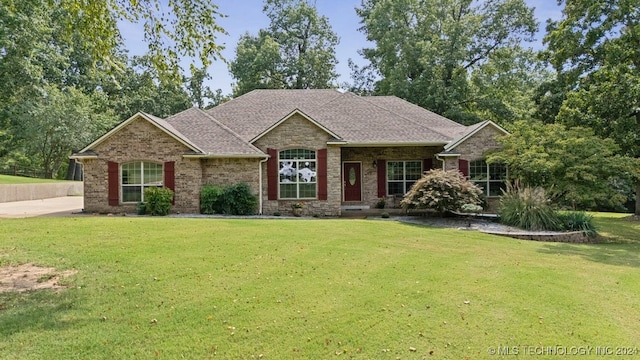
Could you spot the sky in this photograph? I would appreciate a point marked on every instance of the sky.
(246, 16)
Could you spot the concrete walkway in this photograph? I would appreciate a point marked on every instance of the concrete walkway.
(59, 206)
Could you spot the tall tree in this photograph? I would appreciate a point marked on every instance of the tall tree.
(595, 49)
(296, 51)
(427, 51)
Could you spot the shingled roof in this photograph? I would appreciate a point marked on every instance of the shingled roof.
(355, 119)
(229, 129)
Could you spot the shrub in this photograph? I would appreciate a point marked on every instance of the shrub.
(381, 203)
(210, 198)
(441, 191)
(238, 200)
(232, 200)
(157, 201)
(528, 208)
(578, 221)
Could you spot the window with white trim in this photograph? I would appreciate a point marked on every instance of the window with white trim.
(137, 176)
(491, 178)
(401, 175)
(297, 174)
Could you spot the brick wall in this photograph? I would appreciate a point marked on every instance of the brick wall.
(141, 141)
(225, 172)
(298, 132)
(370, 173)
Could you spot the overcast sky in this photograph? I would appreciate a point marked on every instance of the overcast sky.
(246, 16)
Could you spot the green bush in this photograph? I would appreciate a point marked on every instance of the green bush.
(157, 201)
(441, 191)
(232, 200)
(578, 221)
(238, 200)
(528, 208)
(210, 199)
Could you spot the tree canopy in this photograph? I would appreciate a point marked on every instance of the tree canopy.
(443, 55)
(296, 51)
(595, 50)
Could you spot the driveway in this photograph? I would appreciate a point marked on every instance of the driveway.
(60, 206)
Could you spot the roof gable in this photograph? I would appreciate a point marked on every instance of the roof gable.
(472, 130)
(157, 122)
(290, 115)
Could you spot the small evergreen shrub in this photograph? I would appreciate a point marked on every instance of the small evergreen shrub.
(381, 203)
(528, 208)
(578, 221)
(209, 199)
(232, 200)
(442, 191)
(238, 200)
(157, 201)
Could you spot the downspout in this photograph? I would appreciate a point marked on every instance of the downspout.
(260, 185)
(442, 161)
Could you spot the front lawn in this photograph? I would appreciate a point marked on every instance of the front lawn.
(313, 289)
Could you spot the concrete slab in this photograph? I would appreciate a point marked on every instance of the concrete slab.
(59, 206)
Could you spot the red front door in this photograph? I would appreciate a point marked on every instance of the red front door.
(352, 181)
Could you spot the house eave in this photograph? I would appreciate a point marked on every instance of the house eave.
(385, 144)
(225, 156)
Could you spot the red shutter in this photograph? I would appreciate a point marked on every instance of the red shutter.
(272, 174)
(170, 178)
(114, 183)
(463, 167)
(427, 164)
(381, 165)
(322, 174)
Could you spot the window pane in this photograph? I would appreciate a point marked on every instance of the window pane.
(409, 184)
(395, 188)
(131, 193)
(413, 170)
(478, 170)
(131, 173)
(498, 172)
(288, 191)
(395, 170)
(307, 190)
(288, 171)
(153, 173)
(496, 187)
(296, 154)
(307, 172)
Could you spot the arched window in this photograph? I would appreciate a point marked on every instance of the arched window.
(297, 174)
(137, 176)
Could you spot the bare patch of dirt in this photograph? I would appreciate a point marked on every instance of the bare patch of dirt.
(27, 277)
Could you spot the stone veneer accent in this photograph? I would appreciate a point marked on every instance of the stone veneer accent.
(300, 133)
(370, 173)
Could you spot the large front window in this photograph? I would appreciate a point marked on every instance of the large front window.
(297, 174)
(137, 176)
(401, 175)
(491, 178)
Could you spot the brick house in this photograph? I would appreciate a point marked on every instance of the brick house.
(328, 149)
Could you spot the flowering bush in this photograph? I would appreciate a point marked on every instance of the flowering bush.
(442, 191)
(298, 205)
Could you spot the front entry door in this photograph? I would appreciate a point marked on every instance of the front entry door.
(352, 180)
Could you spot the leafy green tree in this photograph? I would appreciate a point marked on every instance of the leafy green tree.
(296, 51)
(60, 121)
(576, 167)
(595, 49)
(443, 54)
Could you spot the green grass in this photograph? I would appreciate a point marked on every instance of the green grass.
(312, 289)
(8, 179)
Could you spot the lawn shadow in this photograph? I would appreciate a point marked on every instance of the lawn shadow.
(610, 254)
(35, 310)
